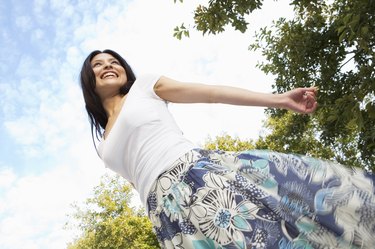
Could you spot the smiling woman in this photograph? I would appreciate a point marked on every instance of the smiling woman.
(97, 115)
(108, 72)
(199, 198)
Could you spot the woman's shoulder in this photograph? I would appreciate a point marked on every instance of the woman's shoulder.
(146, 83)
(147, 80)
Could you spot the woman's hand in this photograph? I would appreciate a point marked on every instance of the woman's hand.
(301, 100)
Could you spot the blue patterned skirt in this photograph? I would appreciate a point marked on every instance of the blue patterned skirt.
(262, 199)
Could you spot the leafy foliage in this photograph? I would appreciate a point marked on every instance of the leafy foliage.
(213, 18)
(329, 44)
(107, 221)
(181, 31)
(295, 133)
(227, 143)
(278, 139)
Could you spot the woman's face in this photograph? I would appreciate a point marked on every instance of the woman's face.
(109, 74)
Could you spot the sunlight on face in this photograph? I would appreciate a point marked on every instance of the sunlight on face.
(109, 74)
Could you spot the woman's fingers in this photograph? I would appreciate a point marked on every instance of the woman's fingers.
(311, 103)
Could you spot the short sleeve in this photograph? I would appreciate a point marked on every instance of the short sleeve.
(147, 82)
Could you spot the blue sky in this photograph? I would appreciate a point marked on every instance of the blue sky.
(47, 161)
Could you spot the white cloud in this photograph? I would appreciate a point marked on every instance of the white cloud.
(37, 35)
(25, 66)
(39, 5)
(7, 177)
(59, 5)
(35, 206)
(24, 23)
(8, 93)
(50, 126)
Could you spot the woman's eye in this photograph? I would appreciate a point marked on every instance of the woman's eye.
(115, 62)
(96, 64)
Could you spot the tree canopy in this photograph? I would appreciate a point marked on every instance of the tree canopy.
(107, 221)
(329, 44)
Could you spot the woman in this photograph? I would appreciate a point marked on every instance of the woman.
(197, 198)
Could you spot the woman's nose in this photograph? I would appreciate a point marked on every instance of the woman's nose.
(107, 65)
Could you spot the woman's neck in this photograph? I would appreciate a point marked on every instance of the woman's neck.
(113, 104)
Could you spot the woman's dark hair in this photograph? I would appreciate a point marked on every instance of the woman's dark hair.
(95, 110)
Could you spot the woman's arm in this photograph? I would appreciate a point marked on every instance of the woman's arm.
(300, 100)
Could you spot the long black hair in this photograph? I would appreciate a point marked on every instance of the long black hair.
(97, 116)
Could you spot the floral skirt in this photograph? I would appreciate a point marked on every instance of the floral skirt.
(262, 199)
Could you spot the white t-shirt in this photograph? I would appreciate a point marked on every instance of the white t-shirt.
(145, 139)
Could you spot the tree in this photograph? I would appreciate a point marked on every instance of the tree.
(300, 142)
(107, 221)
(330, 44)
(227, 143)
(213, 19)
(299, 138)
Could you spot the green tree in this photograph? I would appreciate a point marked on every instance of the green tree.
(329, 44)
(300, 142)
(291, 133)
(213, 19)
(228, 143)
(107, 221)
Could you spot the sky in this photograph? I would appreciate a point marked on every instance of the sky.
(47, 159)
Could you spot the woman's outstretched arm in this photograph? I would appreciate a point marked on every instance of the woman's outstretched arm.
(301, 100)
